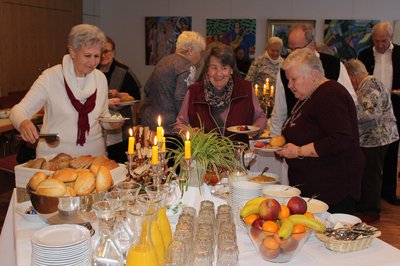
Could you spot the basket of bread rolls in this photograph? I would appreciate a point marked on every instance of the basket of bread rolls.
(66, 195)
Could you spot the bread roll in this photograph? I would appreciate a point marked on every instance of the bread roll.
(70, 192)
(36, 163)
(51, 188)
(85, 183)
(103, 179)
(65, 175)
(110, 164)
(36, 179)
(277, 141)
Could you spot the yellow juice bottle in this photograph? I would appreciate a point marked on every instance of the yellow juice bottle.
(158, 243)
(164, 226)
(142, 254)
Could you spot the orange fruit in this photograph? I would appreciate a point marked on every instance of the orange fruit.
(278, 239)
(251, 218)
(309, 214)
(298, 231)
(270, 242)
(284, 212)
(270, 226)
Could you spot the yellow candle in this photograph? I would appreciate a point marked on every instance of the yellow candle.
(131, 142)
(159, 129)
(265, 89)
(267, 83)
(164, 146)
(256, 90)
(188, 152)
(272, 91)
(154, 152)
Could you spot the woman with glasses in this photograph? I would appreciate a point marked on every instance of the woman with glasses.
(322, 150)
(123, 85)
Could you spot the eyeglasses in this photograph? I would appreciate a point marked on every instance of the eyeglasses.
(106, 51)
(294, 49)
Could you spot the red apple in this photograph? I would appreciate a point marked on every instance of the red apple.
(269, 253)
(256, 230)
(290, 245)
(269, 209)
(297, 205)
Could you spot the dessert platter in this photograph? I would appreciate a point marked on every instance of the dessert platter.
(243, 129)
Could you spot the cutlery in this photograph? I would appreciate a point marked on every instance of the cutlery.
(50, 138)
(313, 196)
(298, 185)
(264, 170)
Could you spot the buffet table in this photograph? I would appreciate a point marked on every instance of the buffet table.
(15, 244)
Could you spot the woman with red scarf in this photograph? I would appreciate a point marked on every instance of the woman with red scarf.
(74, 95)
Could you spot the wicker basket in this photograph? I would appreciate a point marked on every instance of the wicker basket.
(344, 246)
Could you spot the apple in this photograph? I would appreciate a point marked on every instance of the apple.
(290, 245)
(297, 205)
(269, 209)
(269, 253)
(256, 230)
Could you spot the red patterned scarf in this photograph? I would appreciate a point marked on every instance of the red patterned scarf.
(83, 110)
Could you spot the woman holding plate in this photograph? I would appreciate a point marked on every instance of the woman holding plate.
(221, 99)
(323, 149)
(74, 95)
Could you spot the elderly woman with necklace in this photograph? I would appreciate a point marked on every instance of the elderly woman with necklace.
(322, 150)
(220, 99)
(74, 95)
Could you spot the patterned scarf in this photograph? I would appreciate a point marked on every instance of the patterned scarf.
(217, 100)
(83, 110)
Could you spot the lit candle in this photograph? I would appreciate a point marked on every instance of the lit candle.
(163, 146)
(131, 142)
(188, 152)
(159, 129)
(272, 91)
(267, 83)
(154, 152)
(265, 89)
(256, 89)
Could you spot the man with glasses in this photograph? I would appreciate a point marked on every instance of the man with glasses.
(382, 60)
(301, 35)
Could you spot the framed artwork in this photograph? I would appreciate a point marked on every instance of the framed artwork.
(396, 32)
(280, 28)
(348, 37)
(234, 32)
(161, 35)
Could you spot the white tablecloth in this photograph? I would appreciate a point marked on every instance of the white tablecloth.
(17, 233)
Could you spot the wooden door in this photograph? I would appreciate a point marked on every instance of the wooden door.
(33, 37)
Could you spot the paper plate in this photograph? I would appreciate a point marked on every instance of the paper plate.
(112, 120)
(236, 129)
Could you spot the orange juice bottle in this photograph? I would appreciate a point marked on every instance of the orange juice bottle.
(157, 239)
(142, 254)
(164, 226)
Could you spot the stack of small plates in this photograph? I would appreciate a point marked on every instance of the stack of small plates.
(241, 191)
(64, 244)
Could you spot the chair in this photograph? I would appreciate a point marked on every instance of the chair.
(8, 163)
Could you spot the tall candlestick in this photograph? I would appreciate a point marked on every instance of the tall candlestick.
(265, 89)
(256, 89)
(159, 130)
(188, 152)
(272, 91)
(131, 142)
(164, 146)
(154, 152)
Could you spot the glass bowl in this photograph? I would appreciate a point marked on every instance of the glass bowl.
(271, 248)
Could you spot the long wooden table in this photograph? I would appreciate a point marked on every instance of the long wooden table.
(6, 125)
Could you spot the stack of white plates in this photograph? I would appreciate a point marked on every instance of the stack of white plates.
(63, 244)
(241, 191)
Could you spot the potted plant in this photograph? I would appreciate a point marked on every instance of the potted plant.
(210, 152)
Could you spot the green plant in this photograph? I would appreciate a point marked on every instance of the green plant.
(210, 151)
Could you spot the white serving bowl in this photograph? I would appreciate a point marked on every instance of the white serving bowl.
(282, 193)
(273, 175)
(316, 207)
(30, 217)
(343, 218)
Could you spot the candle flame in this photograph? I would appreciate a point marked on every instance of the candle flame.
(155, 140)
(130, 132)
(187, 135)
(256, 86)
(159, 120)
(267, 80)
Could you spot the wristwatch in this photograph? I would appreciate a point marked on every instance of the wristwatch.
(299, 154)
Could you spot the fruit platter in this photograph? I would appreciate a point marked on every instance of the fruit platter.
(277, 231)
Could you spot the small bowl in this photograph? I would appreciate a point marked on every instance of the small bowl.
(281, 193)
(27, 212)
(267, 174)
(316, 207)
(343, 218)
(286, 250)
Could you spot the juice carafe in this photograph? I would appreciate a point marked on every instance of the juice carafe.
(162, 219)
(141, 215)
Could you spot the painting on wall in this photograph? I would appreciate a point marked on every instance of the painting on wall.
(234, 32)
(161, 35)
(347, 38)
(280, 28)
(396, 32)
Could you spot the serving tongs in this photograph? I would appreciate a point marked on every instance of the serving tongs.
(50, 137)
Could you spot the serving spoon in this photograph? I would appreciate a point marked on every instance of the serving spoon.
(264, 170)
(50, 138)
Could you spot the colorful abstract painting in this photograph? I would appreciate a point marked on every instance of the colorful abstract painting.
(348, 37)
(161, 35)
(233, 32)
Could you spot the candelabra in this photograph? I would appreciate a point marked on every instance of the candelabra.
(185, 174)
(129, 177)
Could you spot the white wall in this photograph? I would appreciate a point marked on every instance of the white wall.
(123, 20)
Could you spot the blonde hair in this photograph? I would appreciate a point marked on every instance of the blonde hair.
(85, 34)
(274, 40)
(304, 57)
(190, 39)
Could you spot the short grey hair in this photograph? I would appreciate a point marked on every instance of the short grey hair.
(304, 57)
(85, 34)
(273, 41)
(385, 26)
(307, 28)
(355, 67)
(188, 39)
